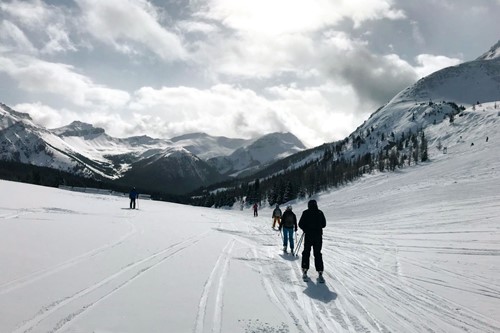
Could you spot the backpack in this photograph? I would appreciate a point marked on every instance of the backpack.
(288, 220)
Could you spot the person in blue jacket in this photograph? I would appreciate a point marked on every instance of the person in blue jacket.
(133, 195)
(289, 225)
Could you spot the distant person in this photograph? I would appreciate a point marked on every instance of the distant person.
(133, 195)
(312, 223)
(276, 216)
(255, 209)
(289, 225)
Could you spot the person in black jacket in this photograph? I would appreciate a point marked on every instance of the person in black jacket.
(289, 224)
(133, 195)
(312, 223)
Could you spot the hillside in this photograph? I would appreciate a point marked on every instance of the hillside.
(399, 134)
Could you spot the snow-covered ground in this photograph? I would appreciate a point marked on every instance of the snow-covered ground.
(417, 250)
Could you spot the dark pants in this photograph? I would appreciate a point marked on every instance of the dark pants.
(132, 203)
(316, 242)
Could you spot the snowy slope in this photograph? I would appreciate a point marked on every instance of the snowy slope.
(467, 83)
(424, 106)
(412, 251)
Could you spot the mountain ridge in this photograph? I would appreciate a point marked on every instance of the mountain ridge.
(87, 150)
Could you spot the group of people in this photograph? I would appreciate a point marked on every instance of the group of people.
(312, 223)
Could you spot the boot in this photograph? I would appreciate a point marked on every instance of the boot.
(321, 279)
(304, 274)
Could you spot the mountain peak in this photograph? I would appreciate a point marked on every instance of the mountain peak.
(12, 112)
(493, 53)
(78, 128)
(190, 136)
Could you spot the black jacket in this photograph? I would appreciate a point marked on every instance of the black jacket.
(312, 221)
(289, 220)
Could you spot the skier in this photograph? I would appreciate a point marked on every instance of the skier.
(276, 216)
(255, 207)
(133, 195)
(289, 225)
(312, 223)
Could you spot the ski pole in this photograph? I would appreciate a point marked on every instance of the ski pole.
(299, 243)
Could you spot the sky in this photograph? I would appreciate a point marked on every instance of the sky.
(239, 69)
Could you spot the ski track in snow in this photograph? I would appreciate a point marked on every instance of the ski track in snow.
(220, 269)
(359, 284)
(103, 289)
(25, 280)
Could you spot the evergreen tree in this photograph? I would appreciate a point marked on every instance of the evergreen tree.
(423, 148)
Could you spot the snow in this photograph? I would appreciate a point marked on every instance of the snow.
(411, 251)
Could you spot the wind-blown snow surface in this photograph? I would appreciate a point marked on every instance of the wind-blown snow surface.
(412, 251)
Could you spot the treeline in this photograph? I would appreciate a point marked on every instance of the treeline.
(332, 169)
(44, 176)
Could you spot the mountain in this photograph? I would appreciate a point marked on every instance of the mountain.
(418, 125)
(176, 166)
(258, 154)
(466, 83)
(205, 146)
(493, 53)
(173, 170)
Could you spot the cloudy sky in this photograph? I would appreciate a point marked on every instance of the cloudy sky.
(316, 68)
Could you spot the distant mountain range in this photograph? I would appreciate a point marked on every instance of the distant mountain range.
(177, 166)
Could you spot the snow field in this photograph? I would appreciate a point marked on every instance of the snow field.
(416, 250)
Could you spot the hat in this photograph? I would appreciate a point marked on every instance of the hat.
(312, 204)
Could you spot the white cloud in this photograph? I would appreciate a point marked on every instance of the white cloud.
(13, 39)
(279, 17)
(44, 115)
(428, 63)
(59, 40)
(197, 26)
(34, 13)
(34, 75)
(313, 114)
(123, 22)
(45, 25)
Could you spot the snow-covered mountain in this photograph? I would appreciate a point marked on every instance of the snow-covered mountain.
(176, 166)
(434, 99)
(494, 52)
(429, 105)
(206, 146)
(466, 83)
(258, 154)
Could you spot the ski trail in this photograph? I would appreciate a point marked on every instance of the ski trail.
(202, 307)
(35, 276)
(113, 283)
(402, 299)
(319, 311)
(17, 214)
(271, 290)
(219, 303)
